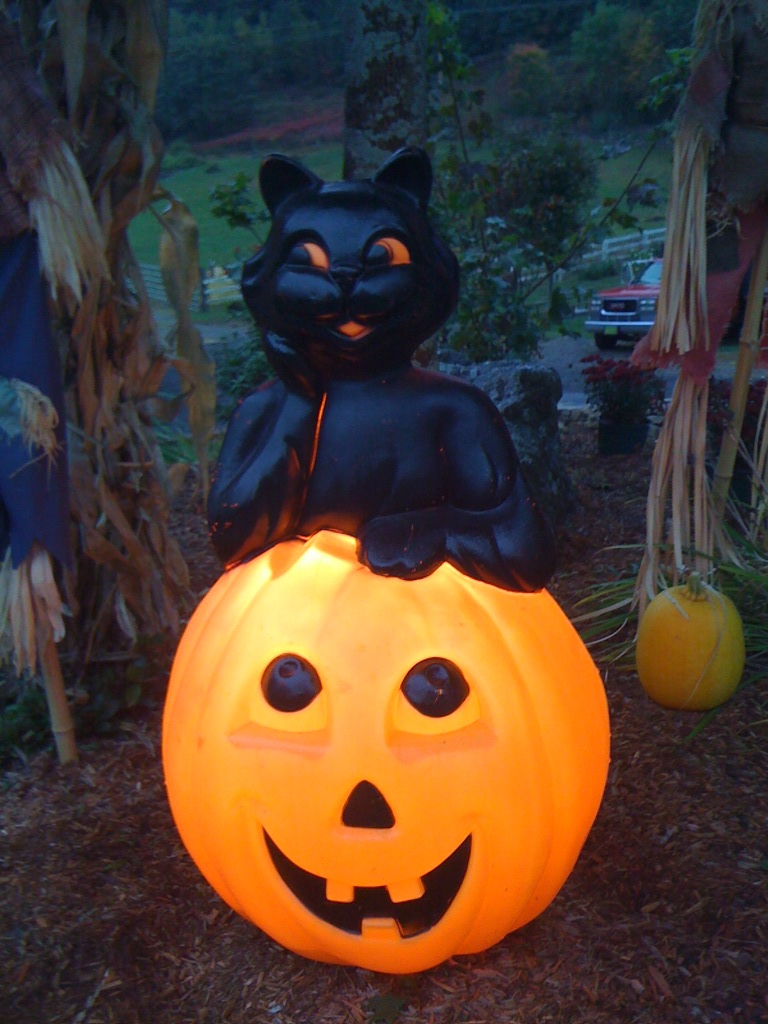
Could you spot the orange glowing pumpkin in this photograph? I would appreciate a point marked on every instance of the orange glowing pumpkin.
(381, 772)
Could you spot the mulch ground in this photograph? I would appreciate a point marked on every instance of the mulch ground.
(103, 917)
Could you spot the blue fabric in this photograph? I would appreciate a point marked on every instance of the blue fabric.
(34, 492)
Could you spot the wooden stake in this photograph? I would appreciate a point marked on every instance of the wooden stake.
(61, 718)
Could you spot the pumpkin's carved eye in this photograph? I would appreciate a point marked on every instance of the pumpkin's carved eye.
(435, 687)
(387, 252)
(290, 683)
(308, 254)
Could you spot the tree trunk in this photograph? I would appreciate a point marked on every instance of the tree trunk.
(386, 93)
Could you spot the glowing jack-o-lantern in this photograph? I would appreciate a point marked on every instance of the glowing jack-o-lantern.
(376, 771)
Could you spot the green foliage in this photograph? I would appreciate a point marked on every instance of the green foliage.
(541, 185)
(598, 270)
(619, 46)
(222, 62)
(103, 700)
(240, 368)
(197, 105)
(665, 90)
(179, 156)
(484, 27)
(531, 82)
(620, 392)
(110, 692)
(24, 723)
(235, 203)
(506, 207)
(227, 61)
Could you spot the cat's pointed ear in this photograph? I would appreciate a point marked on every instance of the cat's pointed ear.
(281, 177)
(408, 169)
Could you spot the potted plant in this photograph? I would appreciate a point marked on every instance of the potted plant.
(624, 397)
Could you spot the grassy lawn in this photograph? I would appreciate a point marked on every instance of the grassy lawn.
(220, 244)
(193, 185)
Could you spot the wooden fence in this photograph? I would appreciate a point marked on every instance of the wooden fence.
(217, 289)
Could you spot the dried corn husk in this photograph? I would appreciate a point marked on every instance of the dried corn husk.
(70, 241)
(30, 603)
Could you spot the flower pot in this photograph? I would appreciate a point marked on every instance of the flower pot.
(621, 438)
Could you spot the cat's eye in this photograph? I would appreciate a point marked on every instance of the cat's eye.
(388, 252)
(308, 254)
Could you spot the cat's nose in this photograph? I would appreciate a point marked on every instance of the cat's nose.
(345, 275)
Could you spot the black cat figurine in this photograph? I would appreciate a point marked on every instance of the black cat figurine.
(352, 437)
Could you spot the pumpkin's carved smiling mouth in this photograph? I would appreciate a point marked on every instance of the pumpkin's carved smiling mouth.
(372, 908)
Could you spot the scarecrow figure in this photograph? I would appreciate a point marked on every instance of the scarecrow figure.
(49, 243)
(719, 203)
(716, 221)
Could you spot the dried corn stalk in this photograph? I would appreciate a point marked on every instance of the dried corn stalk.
(101, 64)
(180, 267)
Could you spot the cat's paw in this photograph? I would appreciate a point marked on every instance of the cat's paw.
(402, 546)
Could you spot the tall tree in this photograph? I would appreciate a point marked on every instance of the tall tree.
(386, 93)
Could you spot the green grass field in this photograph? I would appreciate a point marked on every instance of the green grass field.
(220, 244)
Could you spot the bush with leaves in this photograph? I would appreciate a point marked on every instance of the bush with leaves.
(508, 209)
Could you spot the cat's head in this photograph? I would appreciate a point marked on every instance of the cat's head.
(352, 275)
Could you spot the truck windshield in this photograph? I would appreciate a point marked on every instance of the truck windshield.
(650, 275)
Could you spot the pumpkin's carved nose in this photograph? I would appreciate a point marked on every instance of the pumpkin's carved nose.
(366, 807)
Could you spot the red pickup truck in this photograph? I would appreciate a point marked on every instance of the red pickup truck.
(625, 313)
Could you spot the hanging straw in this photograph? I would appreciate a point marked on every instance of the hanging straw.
(681, 317)
(749, 343)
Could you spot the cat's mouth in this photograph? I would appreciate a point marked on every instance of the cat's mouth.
(353, 330)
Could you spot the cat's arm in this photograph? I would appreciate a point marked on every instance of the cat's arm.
(489, 526)
(495, 530)
(260, 478)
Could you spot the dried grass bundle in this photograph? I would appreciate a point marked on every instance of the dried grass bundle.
(679, 515)
(681, 317)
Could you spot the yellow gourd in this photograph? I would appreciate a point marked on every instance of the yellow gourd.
(377, 771)
(690, 647)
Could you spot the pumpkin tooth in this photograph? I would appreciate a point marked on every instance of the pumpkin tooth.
(401, 892)
(339, 892)
(380, 928)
